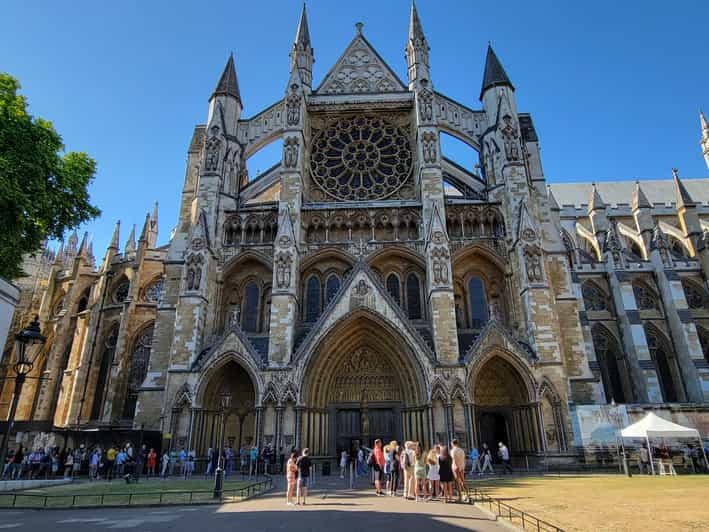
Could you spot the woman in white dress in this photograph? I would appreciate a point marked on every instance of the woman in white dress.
(433, 473)
(343, 463)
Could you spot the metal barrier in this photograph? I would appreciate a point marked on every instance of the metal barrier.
(517, 517)
(146, 498)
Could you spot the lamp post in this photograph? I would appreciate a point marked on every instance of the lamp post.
(225, 399)
(616, 419)
(26, 343)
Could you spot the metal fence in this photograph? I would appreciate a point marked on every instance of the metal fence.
(520, 518)
(143, 498)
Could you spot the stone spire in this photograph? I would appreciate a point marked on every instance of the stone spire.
(682, 197)
(130, 243)
(146, 229)
(227, 84)
(59, 257)
(153, 231)
(416, 49)
(116, 234)
(640, 200)
(84, 246)
(595, 202)
(301, 55)
(495, 75)
(705, 137)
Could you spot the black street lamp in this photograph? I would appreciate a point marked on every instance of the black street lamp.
(225, 399)
(27, 342)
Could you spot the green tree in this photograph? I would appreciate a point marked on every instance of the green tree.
(43, 191)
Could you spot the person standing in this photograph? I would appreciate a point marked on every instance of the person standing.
(343, 463)
(304, 465)
(55, 462)
(377, 458)
(361, 467)
(165, 463)
(475, 461)
(433, 474)
(152, 458)
(253, 461)
(243, 459)
(181, 461)
(407, 466)
(458, 456)
(419, 474)
(291, 476)
(395, 468)
(120, 463)
(445, 463)
(68, 464)
(504, 453)
(487, 460)
(110, 461)
(94, 459)
(644, 462)
(140, 458)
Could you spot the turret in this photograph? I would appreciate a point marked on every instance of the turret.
(417, 51)
(705, 137)
(301, 55)
(226, 98)
(495, 77)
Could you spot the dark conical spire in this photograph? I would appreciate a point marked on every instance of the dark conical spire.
(495, 75)
(228, 85)
(682, 197)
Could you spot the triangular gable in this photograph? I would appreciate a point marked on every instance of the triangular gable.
(363, 291)
(526, 230)
(493, 335)
(436, 229)
(360, 69)
(233, 339)
(285, 236)
(200, 233)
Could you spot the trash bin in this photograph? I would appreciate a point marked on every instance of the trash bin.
(326, 469)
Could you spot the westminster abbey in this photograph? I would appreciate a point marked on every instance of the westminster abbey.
(368, 286)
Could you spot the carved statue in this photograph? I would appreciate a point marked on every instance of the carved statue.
(293, 109)
(283, 270)
(440, 265)
(211, 158)
(510, 136)
(234, 314)
(533, 263)
(429, 147)
(290, 152)
(426, 106)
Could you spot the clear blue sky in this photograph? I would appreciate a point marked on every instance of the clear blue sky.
(614, 87)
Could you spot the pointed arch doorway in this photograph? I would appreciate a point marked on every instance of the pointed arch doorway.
(506, 409)
(362, 383)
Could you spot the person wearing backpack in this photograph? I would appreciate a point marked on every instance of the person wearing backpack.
(395, 467)
(407, 467)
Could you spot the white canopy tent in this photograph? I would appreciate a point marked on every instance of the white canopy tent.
(653, 426)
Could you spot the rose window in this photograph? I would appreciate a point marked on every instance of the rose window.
(361, 158)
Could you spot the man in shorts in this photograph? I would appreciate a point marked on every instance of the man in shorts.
(303, 465)
(458, 456)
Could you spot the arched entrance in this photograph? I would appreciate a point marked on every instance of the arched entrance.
(362, 382)
(240, 420)
(505, 407)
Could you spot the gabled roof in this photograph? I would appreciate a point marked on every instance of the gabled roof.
(360, 69)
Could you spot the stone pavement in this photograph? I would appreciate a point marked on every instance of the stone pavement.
(331, 507)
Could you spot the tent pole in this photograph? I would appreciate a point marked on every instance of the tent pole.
(649, 451)
(701, 445)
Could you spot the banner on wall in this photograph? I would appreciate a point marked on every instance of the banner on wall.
(598, 425)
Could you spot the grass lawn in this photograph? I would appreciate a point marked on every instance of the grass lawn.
(609, 502)
(120, 493)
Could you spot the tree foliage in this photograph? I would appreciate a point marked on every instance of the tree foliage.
(43, 191)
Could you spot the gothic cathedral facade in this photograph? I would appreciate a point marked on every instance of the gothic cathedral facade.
(367, 286)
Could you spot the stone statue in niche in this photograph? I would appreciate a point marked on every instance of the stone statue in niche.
(533, 263)
(362, 288)
(283, 270)
(211, 158)
(194, 272)
(440, 265)
(429, 147)
(293, 109)
(426, 106)
(509, 135)
(234, 314)
(290, 152)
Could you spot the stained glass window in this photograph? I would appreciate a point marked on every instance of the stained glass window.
(693, 294)
(608, 355)
(394, 287)
(139, 361)
(249, 309)
(312, 299)
(593, 297)
(120, 294)
(413, 296)
(153, 291)
(331, 287)
(478, 305)
(644, 297)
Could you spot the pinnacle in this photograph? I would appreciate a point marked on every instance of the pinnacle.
(415, 28)
(302, 35)
(495, 75)
(596, 202)
(640, 200)
(703, 123)
(227, 84)
(553, 204)
(682, 197)
(114, 238)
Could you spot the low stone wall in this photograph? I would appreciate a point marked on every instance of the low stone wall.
(13, 485)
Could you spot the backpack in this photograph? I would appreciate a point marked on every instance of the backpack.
(407, 459)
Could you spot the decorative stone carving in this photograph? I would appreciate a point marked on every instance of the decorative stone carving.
(194, 271)
(362, 288)
(440, 265)
(365, 376)
(429, 147)
(660, 243)
(529, 235)
(533, 263)
(425, 99)
(361, 157)
(613, 245)
(211, 157)
(293, 109)
(510, 138)
(290, 152)
(283, 269)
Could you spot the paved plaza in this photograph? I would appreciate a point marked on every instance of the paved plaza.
(331, 507)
